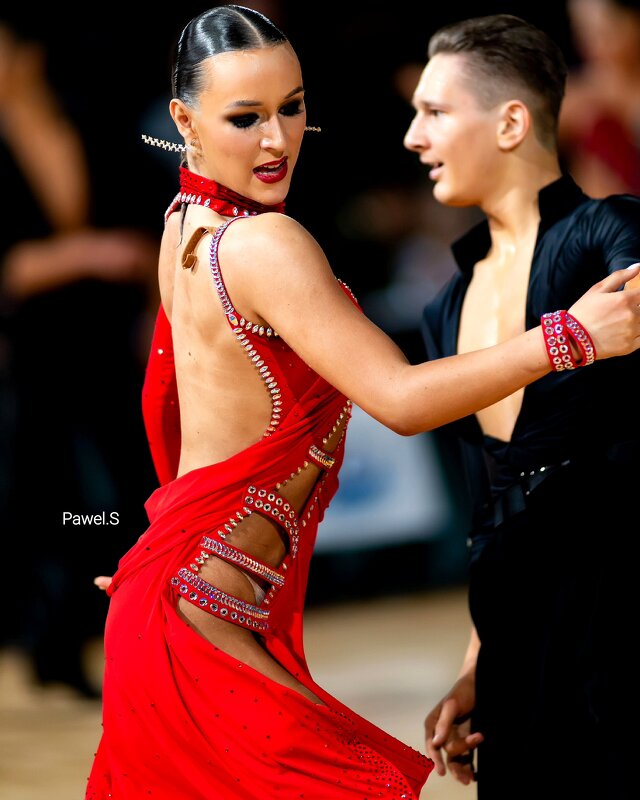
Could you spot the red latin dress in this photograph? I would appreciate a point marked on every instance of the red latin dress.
(182, 719)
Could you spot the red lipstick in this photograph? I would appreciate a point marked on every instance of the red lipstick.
(272, 171)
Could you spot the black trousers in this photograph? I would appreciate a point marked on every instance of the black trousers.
(553, 597)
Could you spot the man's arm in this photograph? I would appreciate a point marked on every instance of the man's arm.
(447, 725)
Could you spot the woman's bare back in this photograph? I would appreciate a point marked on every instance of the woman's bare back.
(224, 409)
(223, 405)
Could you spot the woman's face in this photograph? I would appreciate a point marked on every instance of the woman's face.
(249, 122)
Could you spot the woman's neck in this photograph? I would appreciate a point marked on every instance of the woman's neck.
(197, 190)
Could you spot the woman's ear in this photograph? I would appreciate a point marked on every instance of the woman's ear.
(182, 115)
(514, 124)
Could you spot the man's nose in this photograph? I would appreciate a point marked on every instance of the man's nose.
(414, 138)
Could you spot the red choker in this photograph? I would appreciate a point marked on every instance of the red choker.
(208, 193)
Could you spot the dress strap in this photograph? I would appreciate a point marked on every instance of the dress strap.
(242, 327)
(227, 305)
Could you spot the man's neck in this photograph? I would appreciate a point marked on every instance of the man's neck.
(513, 210)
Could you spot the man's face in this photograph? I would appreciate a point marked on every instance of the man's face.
(453, 133)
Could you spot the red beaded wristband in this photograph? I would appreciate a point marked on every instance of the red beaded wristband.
(556, 340)
(582, 340)
(559, 329)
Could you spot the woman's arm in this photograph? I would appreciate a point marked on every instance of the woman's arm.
(276, 271)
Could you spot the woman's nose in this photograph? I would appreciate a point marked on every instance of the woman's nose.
(273, 136)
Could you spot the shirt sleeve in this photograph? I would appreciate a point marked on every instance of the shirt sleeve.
(619, 228)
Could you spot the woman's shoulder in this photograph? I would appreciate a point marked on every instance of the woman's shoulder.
(171, 232)
(268, 226)
(270, 238)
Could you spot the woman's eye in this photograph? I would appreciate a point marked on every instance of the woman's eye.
(244, 121)
(293, 108)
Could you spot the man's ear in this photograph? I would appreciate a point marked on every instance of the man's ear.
(182, 115)
(514, 124)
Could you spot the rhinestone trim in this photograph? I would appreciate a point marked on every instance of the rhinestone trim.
(243, 560)
(241, 611)
(320, 457)
(241, 329)
(227, 305)
(270, 383)
(272, 505)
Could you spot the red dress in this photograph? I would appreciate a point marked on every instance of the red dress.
(182, 719)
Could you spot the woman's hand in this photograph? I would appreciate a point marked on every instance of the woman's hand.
(611, 318)
(102, 582)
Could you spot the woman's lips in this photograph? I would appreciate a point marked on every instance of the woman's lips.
(272, 171)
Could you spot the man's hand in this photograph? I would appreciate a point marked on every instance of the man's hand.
(448, 728)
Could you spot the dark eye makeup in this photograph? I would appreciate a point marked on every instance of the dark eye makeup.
(244, 120)
(292, 108)
(287, 110)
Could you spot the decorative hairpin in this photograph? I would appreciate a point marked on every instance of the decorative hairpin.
(173, 147)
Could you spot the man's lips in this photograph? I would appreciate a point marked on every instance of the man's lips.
(436, 169)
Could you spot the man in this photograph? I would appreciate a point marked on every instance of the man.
(548, 680)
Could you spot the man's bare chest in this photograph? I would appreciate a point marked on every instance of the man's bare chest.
(494, 305)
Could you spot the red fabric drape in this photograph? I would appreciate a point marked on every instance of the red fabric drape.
(184, 720)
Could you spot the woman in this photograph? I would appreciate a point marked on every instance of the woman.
(207, 692)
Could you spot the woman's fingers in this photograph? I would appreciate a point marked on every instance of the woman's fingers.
(633, 283)
(618, 278)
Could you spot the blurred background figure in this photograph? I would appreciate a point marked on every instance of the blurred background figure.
(72, 343)
(600, 122)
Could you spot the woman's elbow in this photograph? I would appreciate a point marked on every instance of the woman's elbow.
(405, 424)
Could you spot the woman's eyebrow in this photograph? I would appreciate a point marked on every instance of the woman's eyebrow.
(245, 103)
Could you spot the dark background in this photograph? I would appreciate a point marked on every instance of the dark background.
(110, 66)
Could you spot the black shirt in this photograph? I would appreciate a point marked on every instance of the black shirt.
(566, 415)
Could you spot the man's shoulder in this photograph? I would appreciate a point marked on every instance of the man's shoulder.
(620, 205)
(614, 205)
(597, 217)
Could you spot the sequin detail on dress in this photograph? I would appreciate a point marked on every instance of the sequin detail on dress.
(210, 598)
(244, 330)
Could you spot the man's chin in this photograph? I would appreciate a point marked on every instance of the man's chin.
(448, 198)
(442, 195)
